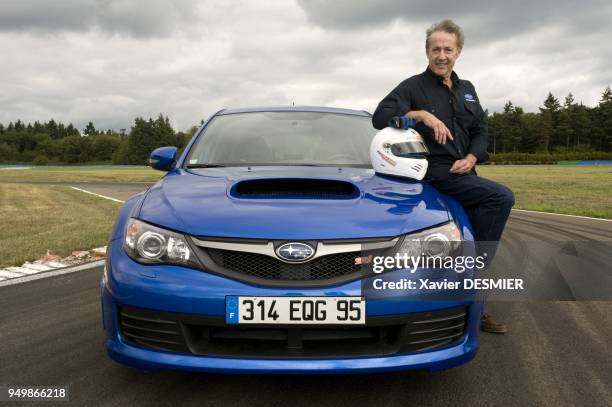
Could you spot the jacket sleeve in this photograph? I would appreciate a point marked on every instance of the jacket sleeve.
(479, 137)
(396, 103)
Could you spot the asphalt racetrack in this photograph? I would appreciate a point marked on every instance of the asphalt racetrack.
(556, 353)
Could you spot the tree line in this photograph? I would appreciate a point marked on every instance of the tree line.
(557, 127)
(56, 143)
(567, 129)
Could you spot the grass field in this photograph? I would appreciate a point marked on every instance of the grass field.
(81, 174)
(37, 218)
(578, 190)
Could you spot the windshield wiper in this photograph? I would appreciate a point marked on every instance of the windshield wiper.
(205, 166)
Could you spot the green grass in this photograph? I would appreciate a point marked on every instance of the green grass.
(576, 190)
(81, 174)
(37, 218)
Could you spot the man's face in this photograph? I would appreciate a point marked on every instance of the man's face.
(442, 53)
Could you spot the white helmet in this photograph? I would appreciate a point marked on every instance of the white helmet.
(399, 152)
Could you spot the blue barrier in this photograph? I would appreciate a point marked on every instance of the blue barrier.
(595, 162)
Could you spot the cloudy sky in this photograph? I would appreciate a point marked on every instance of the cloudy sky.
(109, 61)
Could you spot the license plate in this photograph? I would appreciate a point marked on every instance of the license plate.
(295, 310)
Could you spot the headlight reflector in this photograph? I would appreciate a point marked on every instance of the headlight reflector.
(150, 244)
(440, 241)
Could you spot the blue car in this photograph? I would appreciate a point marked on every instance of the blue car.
(255, 253)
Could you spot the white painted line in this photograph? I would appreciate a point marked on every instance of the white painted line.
(16, 269)
(10, 273)
(24, 270)
(98, 195)
(53, 273)
(36, 267)
(563, 214)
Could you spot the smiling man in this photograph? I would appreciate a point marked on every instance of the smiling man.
(445, 110)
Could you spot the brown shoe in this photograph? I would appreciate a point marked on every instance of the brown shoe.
(488, 324)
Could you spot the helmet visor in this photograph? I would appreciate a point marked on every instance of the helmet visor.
(409, 149)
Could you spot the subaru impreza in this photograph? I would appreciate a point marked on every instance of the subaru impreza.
(254, 253)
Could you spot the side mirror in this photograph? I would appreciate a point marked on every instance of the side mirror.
(163, 158)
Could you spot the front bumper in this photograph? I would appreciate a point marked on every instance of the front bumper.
(186, 293)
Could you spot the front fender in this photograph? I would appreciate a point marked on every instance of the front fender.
(129, 209)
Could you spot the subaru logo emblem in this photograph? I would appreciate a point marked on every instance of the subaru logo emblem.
(295, 252)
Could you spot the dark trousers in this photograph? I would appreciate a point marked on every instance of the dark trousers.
(486, 203)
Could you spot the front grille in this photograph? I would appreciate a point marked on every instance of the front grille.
(210, 336)
(267, 267)
(255, 260)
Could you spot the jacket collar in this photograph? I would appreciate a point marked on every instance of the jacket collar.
(454, 78)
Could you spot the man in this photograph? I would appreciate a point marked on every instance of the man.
(445, 110)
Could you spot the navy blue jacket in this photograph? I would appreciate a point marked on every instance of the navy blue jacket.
(458, 109)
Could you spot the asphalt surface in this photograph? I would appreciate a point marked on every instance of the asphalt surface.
(556, 353)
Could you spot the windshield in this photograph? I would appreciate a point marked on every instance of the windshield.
(284, 138)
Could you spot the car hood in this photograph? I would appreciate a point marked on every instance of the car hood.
(200, 202)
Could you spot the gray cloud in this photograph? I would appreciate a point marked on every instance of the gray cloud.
(112, 61)
(484, 20)
(150, 18)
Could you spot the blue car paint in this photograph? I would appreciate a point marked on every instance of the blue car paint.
(188, 201)
(128, 210)
(386, 207)
(163, 158)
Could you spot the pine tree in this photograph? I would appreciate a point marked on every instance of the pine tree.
(72, 131)
(90, 130)
(604, 110)
(550, 113)
(52, 129)
(19, 126)
(565, 130)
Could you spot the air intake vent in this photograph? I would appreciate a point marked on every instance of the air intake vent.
(191, 334)
(288, 188)
(151, 331)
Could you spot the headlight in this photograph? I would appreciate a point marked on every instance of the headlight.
(440, 241)
(149, 244)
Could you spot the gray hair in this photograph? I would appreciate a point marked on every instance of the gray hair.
(448, 26)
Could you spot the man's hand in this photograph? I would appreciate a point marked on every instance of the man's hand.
(401, 122)
(465, 165)
(441, 132)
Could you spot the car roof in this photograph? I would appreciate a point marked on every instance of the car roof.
(320, 109)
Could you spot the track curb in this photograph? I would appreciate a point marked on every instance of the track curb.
(52, 273)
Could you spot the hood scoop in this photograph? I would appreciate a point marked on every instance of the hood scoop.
(294, 188)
